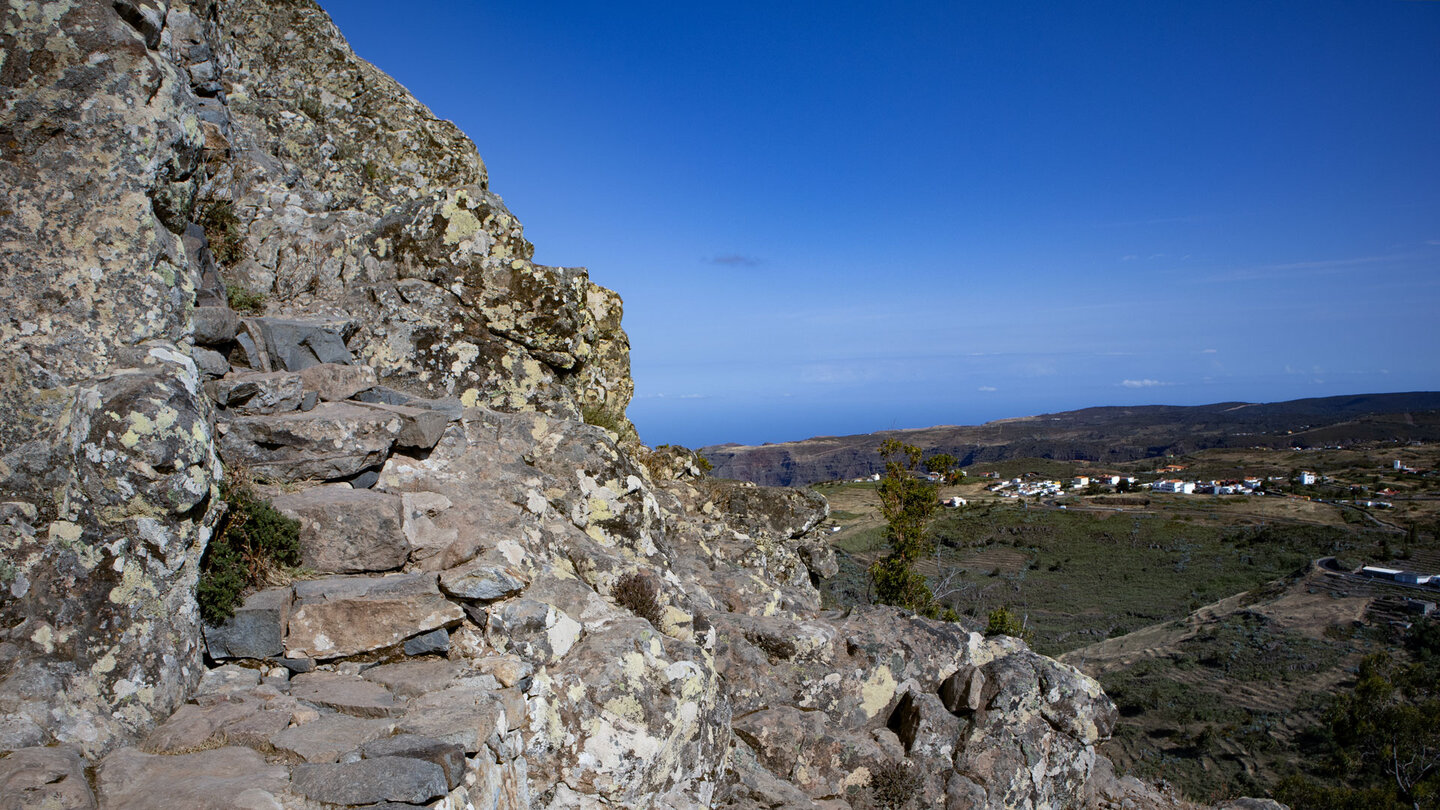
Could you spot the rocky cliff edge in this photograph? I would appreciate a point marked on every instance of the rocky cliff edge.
(446, 420)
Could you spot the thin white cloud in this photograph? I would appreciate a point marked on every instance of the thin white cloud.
(1209, 351)
(1146, 383)
(987, 388)
(736, 260)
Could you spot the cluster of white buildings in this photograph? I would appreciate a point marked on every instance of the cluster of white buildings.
(1020, 488)
(1245, 486)
(1083, 481)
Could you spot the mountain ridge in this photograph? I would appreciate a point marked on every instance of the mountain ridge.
(1102, 434)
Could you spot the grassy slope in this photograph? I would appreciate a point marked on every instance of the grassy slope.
(1222, 643)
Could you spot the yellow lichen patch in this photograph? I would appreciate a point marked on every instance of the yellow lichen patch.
(674, 622)
(470, 398)
(626, 706)
(461, 226)
(64, 532)
(877, 690)
(465, 354)
(45, 637)
(136, 589)
(860, 777)
(140, 425)
(633, 664)
(599, 509)
(104, 665)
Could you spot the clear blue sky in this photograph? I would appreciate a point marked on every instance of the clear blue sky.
(842, 217)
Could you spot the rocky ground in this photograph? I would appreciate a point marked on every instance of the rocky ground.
(445, 419)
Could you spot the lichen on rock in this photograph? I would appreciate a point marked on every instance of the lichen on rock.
(447, 420)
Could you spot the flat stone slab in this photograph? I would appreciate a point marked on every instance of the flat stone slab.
(422, 427)
(482, 581)
(415, 678)
(450, 758)
(295, 344)
(347, 531)
(348, 694)
(450, 406)
(329, 737)
(257, 630)
(464, 715)
(335, 440)
(231, 778)
(46, 778)
(257, 392)
(341, 616)
(248, 719)
(336, 381)
(369, 781)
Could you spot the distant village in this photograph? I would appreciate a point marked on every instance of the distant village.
(1033, 486)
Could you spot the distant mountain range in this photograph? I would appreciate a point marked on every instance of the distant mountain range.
(1101, 435)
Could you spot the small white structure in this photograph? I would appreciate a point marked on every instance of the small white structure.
(1306, 478)
(1380, 573)
(955, 501)
(1079, 482)
(1174, 485)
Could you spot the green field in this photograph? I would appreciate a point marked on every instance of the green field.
(1078, 577)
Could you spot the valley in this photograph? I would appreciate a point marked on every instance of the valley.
(1205, 617)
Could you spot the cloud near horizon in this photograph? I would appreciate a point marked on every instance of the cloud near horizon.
(736, 260)
(1143, 383)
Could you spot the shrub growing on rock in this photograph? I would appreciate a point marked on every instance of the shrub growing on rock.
(636, 593)
(893, 785)
(1003, 622)
(252, 541)
(222, 230)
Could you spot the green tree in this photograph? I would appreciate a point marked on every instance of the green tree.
(1384, 734)
(944, 464)
(906, 502)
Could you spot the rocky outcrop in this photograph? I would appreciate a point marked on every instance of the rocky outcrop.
(506, 601)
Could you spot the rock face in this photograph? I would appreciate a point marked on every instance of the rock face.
(411, 389)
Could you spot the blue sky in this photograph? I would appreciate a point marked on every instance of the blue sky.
(841, 217)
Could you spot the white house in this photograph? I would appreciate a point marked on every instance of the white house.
(1174, 485)
(1306, 478)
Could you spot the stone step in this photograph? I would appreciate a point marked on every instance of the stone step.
(408, 732)
(334, 440)
(347, 531)
(337, 617)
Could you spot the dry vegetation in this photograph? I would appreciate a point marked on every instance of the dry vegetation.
(1201, 615)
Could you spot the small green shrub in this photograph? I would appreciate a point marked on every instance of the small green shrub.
(312, 107)
(222, 230)
(243, 300)
(251, 542)
(1003, 622)
(636, 593)
(599, 417)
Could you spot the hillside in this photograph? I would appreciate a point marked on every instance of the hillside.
(1105, 435)
(317, 491)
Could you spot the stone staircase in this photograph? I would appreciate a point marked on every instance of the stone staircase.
(337, 689)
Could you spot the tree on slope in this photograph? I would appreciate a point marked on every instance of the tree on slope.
(906, 502)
